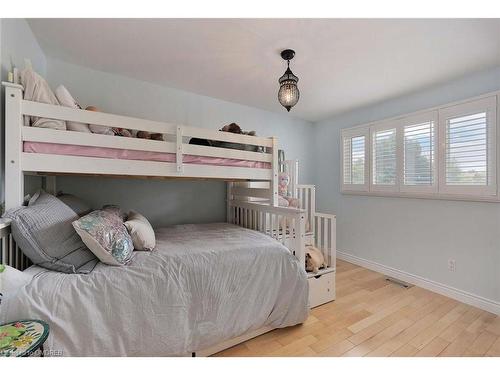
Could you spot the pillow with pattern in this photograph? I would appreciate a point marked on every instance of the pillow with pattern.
(105, 235)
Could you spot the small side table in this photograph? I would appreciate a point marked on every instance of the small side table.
(22, 338)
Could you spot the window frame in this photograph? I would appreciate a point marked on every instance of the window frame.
(353, 133)
(439, 190)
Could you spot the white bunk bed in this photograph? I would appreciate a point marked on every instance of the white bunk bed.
(263, 215)
(18, 163)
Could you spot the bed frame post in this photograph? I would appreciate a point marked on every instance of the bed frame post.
(14, 177)
(50, 185)
(274, 182)
(300, 239)
(229, 198)
(178, 149)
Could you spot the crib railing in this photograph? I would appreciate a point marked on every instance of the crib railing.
(324, 228)
(10, 253)
(286, 225)
(321, 226)
(306, 195)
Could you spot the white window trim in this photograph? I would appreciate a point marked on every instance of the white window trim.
(412, 120)
(351, 133)
(381, 187)
(489, 105)
(439, 191)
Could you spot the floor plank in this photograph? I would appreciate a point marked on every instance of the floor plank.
(374, 317)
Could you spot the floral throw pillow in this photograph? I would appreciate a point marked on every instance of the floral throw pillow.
(105, 235)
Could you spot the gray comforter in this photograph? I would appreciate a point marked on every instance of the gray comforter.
(203, 284)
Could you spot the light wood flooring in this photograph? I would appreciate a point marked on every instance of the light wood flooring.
(373, 317)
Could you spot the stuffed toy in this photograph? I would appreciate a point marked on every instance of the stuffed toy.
(106, 130)
(235, 129)
(284, 200)
(230, 128)
(147, 135)
(314, 259)
(283, 181)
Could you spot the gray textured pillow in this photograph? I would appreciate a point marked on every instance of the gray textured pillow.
(44, 232)
(76, 204)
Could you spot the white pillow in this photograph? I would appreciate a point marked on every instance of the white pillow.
(36, 89)
(11, 280)
(141, 231)
(67, 100)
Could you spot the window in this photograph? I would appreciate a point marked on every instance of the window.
(354, 156)
(419, 143)
(354, 164)
(468, 152)
(446, 152)
(384, 160)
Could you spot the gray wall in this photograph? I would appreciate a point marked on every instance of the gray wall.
(414, 235)
(16, 43)
(167, 202)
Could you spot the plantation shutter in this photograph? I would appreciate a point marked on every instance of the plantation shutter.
(467, 150)
(354, 166)
(419, 154)
(384, 157)
(354, 160)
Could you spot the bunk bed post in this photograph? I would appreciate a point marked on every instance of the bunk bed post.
(50, 185)
(312, 210)
(300, 239)
(293, 171)
(229, 198)
(274, 182)
(178, 149)
(333, 243)
(14, 177)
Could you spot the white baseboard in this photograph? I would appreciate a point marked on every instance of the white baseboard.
(448, 291)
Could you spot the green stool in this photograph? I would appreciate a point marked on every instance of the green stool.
(22, 338)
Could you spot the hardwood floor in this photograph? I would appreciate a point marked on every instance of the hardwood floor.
(373, 317)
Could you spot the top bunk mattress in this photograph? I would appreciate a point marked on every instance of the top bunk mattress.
(115, 153)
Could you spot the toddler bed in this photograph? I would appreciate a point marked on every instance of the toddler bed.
(202, 285)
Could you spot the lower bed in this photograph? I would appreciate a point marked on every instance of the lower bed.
(203, 284)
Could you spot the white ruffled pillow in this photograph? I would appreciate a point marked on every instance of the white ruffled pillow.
(141, 231)
(36, 89)
(67, 100)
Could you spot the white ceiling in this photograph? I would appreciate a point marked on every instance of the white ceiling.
(341, 64)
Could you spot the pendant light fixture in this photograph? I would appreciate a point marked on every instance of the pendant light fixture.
(288, 94)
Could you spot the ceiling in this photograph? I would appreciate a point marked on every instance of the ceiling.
(342, 64)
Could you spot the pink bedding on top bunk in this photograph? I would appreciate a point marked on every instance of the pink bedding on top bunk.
(114, 153)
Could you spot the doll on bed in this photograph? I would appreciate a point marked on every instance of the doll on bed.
(121, 132)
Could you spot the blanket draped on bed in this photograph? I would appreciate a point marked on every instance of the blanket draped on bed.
(203, 284)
